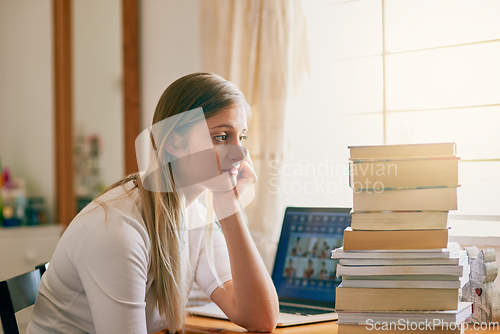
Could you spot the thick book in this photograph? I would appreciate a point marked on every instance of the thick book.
(412, 239)
(399, 220)
(452, 250)
(402, 151)
(369, 299)
(361, 329)
(406, 277)
(404, 284)
(399, 270)
(398, 173)
(455, 260)
(451, 317)
(424, 199)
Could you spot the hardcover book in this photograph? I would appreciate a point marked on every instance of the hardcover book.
(425, 199)
(390, 299)
(412, 239)
(399, 220)
(402, 151)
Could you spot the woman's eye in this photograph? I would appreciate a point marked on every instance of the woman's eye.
(224, 138)
(220, 138)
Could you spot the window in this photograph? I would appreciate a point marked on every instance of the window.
(398, 72)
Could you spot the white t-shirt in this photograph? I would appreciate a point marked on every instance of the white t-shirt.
(98, 279)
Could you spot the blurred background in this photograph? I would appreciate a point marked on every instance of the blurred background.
(80, 79)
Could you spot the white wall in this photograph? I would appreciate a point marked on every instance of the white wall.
(97, 80)
(170, 48)
(26, 95)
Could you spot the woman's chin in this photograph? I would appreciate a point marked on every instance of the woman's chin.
(221, 183)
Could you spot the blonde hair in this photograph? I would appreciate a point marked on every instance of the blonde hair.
(164, 212)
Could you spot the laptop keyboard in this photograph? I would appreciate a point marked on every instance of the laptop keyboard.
(302, 310)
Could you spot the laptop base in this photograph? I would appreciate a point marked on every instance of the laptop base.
(284, 319)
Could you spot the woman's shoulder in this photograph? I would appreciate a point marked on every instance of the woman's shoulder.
(119, 201)
(114, 214)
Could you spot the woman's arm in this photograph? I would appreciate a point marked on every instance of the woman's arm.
(250, 299)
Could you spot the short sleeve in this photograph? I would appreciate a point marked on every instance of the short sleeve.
(112, 264)
(204, 277)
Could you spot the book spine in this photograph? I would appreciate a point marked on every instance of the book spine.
(399, 270)
(408, 284)
(391, 173)
(381, 240)
(367, 299)
(429, 199)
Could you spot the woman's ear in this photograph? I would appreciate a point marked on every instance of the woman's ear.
(172, 144)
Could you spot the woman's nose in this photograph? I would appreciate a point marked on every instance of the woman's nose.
(236, 153)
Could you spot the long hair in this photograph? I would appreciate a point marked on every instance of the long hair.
(164, 212)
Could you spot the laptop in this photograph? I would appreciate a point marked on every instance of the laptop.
(304, 274)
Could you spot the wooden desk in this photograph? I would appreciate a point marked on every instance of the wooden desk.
(199, 325)
(202, 325)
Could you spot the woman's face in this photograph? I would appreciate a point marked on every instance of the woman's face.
(226, 132)
(228, 129)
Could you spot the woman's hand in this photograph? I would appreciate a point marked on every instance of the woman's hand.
(246, 177)
(227, 203)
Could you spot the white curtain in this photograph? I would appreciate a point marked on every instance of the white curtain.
(262, 47)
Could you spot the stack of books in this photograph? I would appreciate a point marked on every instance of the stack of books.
(399, 273)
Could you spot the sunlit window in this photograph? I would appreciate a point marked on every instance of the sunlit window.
(397, 72)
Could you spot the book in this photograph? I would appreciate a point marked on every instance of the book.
(406, 277)
(416, 239)
(452, 249)
(457, 316)
(424, 199)
(419, 281)
(405, 284)
(402, 151)
(455, 260)
(359, 329)
(390, 299)
(411, 173)
(399, 220)
(399, 270)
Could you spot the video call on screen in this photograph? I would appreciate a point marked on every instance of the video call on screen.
(311, 239)
(309, 257)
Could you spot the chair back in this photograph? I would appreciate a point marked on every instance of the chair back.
(16, 294)
(43, 267)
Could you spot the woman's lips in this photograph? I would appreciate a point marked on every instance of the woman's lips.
(232, 171)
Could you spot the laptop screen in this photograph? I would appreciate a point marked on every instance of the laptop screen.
(303, 270)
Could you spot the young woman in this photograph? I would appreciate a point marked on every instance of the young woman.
(309, 271)
(127, 261)
(290, 270)
(323, 273)
(297, 251)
